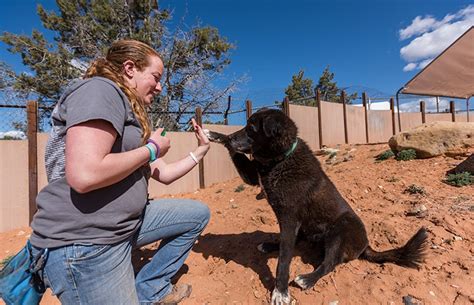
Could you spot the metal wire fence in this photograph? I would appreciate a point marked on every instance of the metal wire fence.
(13, 118)
(14, 124)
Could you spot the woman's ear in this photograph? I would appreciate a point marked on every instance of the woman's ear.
(129, 68)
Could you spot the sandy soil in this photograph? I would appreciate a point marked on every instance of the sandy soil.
(226, 268)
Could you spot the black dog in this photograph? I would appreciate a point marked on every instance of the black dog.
(306, 203)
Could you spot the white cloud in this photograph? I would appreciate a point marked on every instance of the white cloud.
(13, 134)
(424, 63)
(410, 67)
(433, 36)
(421, 25)
(430, 105)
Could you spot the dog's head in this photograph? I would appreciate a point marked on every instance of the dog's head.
(269, 133)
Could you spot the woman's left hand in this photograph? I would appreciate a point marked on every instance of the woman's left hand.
(200, 135)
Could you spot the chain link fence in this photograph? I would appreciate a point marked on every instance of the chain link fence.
(14, 123)
(13, 118)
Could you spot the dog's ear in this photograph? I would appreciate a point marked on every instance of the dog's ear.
(271, 126)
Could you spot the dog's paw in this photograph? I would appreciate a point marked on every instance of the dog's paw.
(268, 247)
(207, 132)
(215, 136)
(279, 298)
(303, 281)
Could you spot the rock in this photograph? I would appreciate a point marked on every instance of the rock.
(419, 210)
(465, 166)
(411, 300)
(326, 151)
(436, 138)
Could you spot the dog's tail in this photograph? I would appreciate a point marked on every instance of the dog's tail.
(410, 255)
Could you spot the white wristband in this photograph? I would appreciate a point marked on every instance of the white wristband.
(193, 157)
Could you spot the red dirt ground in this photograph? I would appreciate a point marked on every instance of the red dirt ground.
(226, 268)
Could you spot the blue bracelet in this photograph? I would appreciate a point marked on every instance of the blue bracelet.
(152, 152)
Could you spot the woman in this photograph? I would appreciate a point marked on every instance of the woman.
(95, 210)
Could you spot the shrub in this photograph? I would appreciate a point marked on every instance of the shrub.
(415, 189)
(392, 179)
(461, 179)
(406, 154)
(385, 155)
(240, 188)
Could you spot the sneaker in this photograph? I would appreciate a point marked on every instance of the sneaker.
(177, 294)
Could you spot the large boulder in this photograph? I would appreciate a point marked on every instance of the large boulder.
(436, 138)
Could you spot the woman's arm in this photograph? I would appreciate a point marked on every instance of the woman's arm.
(89, 163)
(167, 173)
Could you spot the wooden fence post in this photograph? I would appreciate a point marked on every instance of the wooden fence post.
(467, 109)
(32, 119)
(248, 109)
(226, 113)
(452, 110)
(423, 114)
(392, 109)
(201, 163)
(286, 106)
(344, 114)
(320, 123)
(366, 116)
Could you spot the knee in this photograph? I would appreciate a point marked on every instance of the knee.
(201, 213)
(205, 214)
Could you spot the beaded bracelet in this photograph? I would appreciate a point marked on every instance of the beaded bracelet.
(156, 146)
(152, 152)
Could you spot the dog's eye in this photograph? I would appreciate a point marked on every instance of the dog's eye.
(253, 128)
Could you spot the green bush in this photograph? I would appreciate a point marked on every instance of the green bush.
(406, 154)
(240, 188)
(385, 155)
(461, 179)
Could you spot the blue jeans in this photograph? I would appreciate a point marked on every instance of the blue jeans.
(90, 274)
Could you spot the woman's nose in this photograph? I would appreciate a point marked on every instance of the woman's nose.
(158, 87)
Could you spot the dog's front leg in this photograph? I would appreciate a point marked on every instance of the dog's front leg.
(288, 232)
(245, 167)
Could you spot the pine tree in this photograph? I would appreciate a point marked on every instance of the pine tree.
(329, 91)
(83, 30)
(300, 89)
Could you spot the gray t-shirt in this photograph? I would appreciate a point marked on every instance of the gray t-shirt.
(103, 216)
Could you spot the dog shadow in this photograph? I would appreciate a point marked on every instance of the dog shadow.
(241, 248)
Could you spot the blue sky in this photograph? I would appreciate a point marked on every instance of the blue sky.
(373, 44)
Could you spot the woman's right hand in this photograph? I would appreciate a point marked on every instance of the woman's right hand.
(162, 141)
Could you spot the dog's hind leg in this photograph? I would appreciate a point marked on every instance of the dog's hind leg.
(332, 258)
(345, 241)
